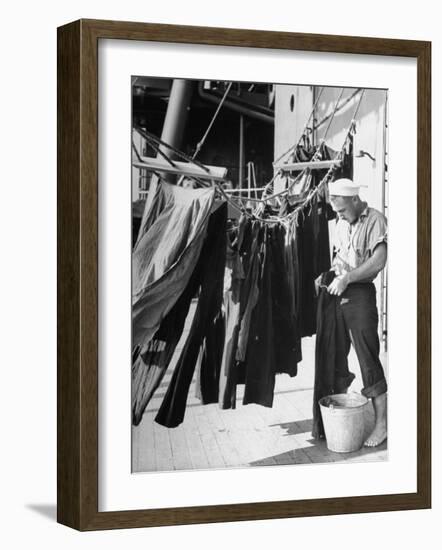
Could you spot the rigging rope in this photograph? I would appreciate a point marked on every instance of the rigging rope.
(203, 139)
(315, 155)
(294, 214)
(206, 133)
(341, 106)
(158, 141)
(241, 208)
(292, 147)
(304, 130)
(332, 116)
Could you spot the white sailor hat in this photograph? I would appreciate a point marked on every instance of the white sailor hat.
(343, 187)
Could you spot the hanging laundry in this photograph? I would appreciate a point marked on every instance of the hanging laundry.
(165, 279)
(172, 409)
(260, 355)
(287, 339)
(209, 362)
(293, 277)
(252, 241)
(233, 286)
(310, 249)
(150, 364)
(167, 250)
(262, 338)
(313, 256)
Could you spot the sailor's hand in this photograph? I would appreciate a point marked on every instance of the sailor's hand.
(338, 285)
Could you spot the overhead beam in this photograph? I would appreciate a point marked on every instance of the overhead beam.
(181, 168)
(299, 166)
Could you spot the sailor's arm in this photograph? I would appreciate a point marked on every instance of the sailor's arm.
(366, 271)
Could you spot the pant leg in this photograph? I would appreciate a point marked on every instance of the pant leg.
(172, 409)
(343, 378)
(358, 306)
(228, 371)
(331, 364)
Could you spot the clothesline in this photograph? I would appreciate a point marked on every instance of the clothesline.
(345, 102)
(248, 348)
(241, 208)
(351, 130)
(190, 159)
(304, 130)
(293, 148)
(257, 214)
(244, 190)
(209, 127)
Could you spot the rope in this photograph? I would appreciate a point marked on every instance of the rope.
(294, 214)
(343, 104)
(304, 130)
(203, 139)
(332, 116)
(157, 149)
(241, 208)
(318, 149)
(148, 136)
(293, 147)
(157, 140)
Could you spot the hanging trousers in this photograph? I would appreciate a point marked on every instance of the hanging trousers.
(172, 409)
(342, 320)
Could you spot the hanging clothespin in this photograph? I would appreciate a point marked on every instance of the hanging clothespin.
(353, 126)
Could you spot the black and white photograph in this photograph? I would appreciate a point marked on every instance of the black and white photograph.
(220, 236)
(259, 274)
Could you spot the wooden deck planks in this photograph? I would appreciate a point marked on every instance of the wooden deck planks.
(143, 449)
(198, 454)
(250, 435)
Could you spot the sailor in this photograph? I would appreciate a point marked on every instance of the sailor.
(360, 247)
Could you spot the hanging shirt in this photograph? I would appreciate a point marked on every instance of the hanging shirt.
(354, 243)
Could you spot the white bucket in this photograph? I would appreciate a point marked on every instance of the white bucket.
(343, 417)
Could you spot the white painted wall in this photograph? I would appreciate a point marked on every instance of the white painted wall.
(293, 105)
(370, 131)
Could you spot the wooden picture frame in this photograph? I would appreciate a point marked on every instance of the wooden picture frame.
(77, 223)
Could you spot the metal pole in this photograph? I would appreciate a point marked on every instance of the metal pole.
(384, 274)
(174, 125)
(241, 150)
